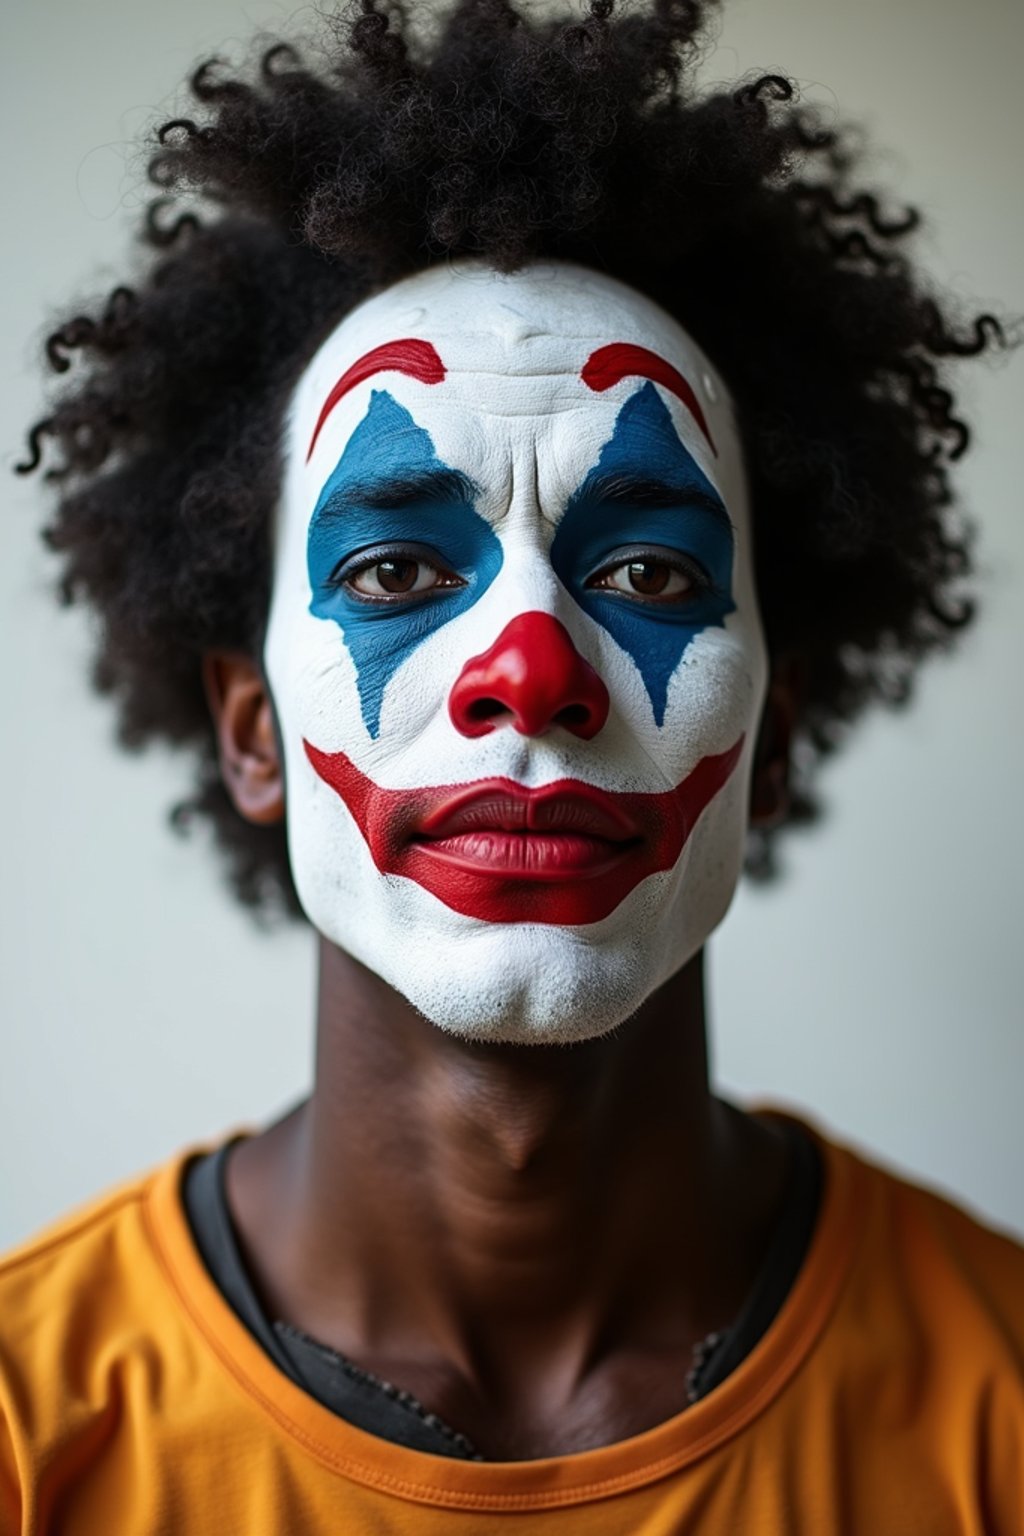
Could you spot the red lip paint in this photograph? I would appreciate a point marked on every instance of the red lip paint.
(565, 854)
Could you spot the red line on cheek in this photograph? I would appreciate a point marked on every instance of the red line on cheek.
(418, 359)
(622, 360)
(388, 818)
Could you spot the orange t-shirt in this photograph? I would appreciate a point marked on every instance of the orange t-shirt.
(886, 1399)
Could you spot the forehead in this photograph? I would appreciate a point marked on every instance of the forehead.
(528, 324)
(541, 357)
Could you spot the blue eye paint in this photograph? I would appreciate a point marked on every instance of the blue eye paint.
(687, 515)
(390, 487)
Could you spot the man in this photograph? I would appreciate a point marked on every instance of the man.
(508, 531)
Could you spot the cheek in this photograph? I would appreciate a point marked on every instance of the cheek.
(712, 701)
(311, 674)
(716, 689)
(316, 686)
(318, 683)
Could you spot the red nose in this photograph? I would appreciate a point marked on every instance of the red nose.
(532, 678)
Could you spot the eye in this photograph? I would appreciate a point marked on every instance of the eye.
(652, 576)
(394, 578)
(389, 575)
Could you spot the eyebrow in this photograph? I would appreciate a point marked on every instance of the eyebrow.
(390, 493)
(650, 491)
(623, 360)
(418, 359)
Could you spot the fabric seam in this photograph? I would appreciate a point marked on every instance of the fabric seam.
(440, 1497)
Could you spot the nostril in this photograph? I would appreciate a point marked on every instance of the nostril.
(573, 716)
(482, 710)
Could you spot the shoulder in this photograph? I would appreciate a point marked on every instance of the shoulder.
(105, 1367)
(84, 1306)
(53, 1277)
(924, 1262)
(74, 1231)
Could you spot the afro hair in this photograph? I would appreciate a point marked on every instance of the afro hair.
(297, 188)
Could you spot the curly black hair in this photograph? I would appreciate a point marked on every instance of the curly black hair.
(297, 189)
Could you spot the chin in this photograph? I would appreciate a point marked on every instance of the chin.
(534, 983)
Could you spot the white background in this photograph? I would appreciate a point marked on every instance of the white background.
(878, 986)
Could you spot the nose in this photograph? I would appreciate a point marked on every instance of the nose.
(532, 678)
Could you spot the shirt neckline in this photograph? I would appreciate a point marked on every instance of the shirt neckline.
(549, 1482)
(386, 1409)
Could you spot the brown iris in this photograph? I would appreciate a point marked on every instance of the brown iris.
(648, 577)
(397, 575)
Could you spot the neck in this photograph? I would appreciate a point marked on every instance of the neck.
(535, 1192)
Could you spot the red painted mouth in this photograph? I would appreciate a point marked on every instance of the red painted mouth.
(566, 854)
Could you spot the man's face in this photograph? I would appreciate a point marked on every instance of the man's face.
(514, 647)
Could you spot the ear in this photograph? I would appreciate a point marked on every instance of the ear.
(769, 785)
(243, 718)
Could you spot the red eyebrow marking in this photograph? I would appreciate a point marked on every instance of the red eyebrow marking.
(418, 359)
(621, 359)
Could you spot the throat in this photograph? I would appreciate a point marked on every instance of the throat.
(500, 1229)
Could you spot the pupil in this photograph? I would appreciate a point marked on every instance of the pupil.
(397, 575)
(648, 577)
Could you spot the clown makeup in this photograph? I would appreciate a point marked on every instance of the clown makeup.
(514, 647)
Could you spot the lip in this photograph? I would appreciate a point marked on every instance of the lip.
(505, 806)
(545, 834)
(567, 853)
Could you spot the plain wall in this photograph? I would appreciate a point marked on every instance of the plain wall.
(878, 985)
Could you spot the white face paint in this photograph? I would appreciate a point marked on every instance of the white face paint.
(514, 647)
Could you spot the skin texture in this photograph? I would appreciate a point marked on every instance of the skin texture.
(576, 1217)
(524, 443)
